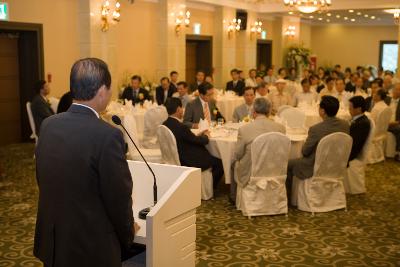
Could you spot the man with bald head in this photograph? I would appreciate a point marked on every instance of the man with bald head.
(394, 125)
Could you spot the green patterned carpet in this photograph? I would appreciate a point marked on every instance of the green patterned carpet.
(367, 235)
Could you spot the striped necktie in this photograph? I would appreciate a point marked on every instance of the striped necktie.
(206, 112)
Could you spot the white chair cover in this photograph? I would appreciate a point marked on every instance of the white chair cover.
(170, 155)
(282, 108)
(151, 155)
(153, 117)
(54, 101)
(295, 119)
(354, 180)
(376, 152)
(324, 191)
(390, 150)
(265, 194)
(31, 122)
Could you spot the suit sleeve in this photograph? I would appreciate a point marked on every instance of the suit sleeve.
(116, 187)
(359, 133)
(188, 116)
(159, 96)
(240, 146)
(190, 137)
(311, 143)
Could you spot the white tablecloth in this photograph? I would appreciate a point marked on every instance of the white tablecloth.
(227, 104)
(312, 116)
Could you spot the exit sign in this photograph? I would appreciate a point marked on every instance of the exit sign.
(3, 11)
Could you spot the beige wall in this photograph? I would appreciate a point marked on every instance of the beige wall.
(60, 34)
(349, 45)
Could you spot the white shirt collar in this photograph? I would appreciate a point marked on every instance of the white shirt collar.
(175, 118)
(202, 102)
(356, 117)
(94, 111)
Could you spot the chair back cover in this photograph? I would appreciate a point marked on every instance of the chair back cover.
(31, 121)
(282, 108)
(364, 152)
(168, 147)
(153, 118)
(294, 117)
(129, 122)
(54, 101)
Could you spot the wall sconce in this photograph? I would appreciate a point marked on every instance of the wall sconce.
(290, 31)
(105, 12)
(256, 29)
(396, 17)
(234, 26)
(182, 19)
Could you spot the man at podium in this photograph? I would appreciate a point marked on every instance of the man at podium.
(85, 207)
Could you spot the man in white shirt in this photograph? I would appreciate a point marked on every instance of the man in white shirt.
(182, 93)
(245, 110)
(388, 84)
(394, 125)
(262, 90)
(306, 95)
(251, 81)
(270, 78)
(341, 94)
(380, 104)
(329, 89)
(279, 98)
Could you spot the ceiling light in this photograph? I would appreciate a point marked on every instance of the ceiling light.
(328, 20)
(353, 20)
(329, 14)
(346, 18)
(351, 10)
(311, 17)
(290, 12)
(359, 13)
(366, 15)
(372, 17)
(308, 6)
(319, 18)
(338, 16)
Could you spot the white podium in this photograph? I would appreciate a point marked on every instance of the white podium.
(169, 232)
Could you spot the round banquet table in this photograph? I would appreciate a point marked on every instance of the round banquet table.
(227, 104)
(223, 141)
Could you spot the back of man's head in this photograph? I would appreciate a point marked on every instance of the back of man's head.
(330, 105)
(261, 106)
(172, 104)
(358, 102)
(204, 87)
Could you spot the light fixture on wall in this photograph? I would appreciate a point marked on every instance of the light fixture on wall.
(182, 20)
(234, 26)
(105, 13)
(290, 31)
(396, 14)
(308, 6)
(256, 29)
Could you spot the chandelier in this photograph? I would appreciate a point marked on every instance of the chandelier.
(234, 27)
(308, 6)
(106, 12)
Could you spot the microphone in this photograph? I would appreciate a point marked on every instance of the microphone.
(143, 213)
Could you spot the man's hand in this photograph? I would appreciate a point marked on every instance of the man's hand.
(195, 126)
(135, 228)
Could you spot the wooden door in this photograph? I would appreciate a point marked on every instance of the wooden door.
(10, 108)
(264, 53)
(191, 64)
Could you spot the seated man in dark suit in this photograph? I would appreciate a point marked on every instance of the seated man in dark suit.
(173, 77)
(84, 213)
(203, 107)
(236, 85)
(360, 125)
(164, 91)
(351, 85)
(191, 148)
(200, 78)
(134, 92)
(303, 167)
(65, 102)
(394, 125)
(40, 105)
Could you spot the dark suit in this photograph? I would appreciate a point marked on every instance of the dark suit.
(85, 207)
(41, 109)
(160, 98)
(65, 102)
(130, 94)
(350, 87)
(395, 129)
(238, 88)
(303, 168)
(194, 86)
(173, 87)
(192, 150)
(194, 112)
(359, 131)
(369, 103)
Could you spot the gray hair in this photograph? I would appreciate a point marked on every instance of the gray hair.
(262, 106)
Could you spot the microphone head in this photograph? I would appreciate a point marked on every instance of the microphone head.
(116, 120)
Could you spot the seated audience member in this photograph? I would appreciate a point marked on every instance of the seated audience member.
(246, 109)
(358, 90)
(163, 91)
(241, 75)
(236, 84)
(316, 84)
(329, 89)
(40, 105)
(351, 85)
(338, 70)
(246, 135)
(388, 84)
(360, 125)
(65, 102)
(379, 104)
(251, 81)
(173, 76)
(202, 107)
(282, 74)
(292, 75)
(135, 93)
(341, 94)
(191, 148)
(209, 79)
(262, 90)
(306, 95)
(303, 167)
(366, 76)
(259, 80)
(375, 86)
(279, 98)
(321, 73)
(182, 93)
(394, 125)
(347, 75)
(200, 78)
(270, 77)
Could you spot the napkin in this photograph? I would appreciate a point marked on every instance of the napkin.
(203, 125)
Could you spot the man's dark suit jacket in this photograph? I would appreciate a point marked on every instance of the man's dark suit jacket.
(160, 94)
(397, 116)
(303, 168)
(191, 148)
(194, 112)
(369, 104)
(128, 95)
(359, 131)
(173, 87)
(238, 89)
(350, 87)
(65, 102)
(41, 109)
(85, 207)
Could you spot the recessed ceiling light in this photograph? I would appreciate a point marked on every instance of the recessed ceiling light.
(346, 18)
(353, 20)
(338, 16)
(329, 14)
(319, 18)
(372, 17)
(290, 12)
(311, 17)
(359, 13)
(328, 20)
(366, 15)
(351, 10)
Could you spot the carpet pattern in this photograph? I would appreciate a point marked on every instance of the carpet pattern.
(368, 234)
